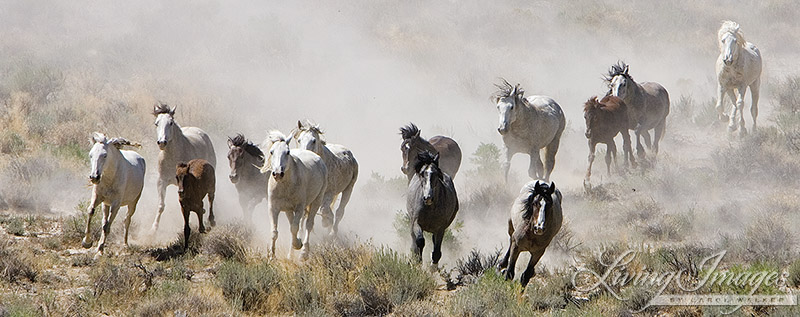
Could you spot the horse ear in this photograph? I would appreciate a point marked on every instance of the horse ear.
(552, 188)
(99, 137)
(416, 135)
(436, 158)
(626, 69)
(172, 111)
(230, 142)
(299, 125)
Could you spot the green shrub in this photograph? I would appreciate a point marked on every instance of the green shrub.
(389, 280)
(492, 295)
(247, 286)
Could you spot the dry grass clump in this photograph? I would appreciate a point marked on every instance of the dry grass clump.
(17, 263)
(492, 295)
(228, 242)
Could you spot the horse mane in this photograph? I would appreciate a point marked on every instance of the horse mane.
(591, 104)
(733, 28)
(160, 108)
(534, 190)
(240, 141)
(426, 158)
(276, 136)
(618, 69)
(611, 103)
(505, 89)
(409, 131)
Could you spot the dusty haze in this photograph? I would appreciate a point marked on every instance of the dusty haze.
(363, 69)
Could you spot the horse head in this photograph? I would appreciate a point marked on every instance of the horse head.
(427, 168)
(309, 137)
(730, 40)
(278, 155)
(165, 124)
(508, 100)
(236, 155)
(538, 204)
(410, 147)
(620, 83)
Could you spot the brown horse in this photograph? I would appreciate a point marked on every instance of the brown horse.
(195, 180)
(413, 145)
(535, 219)
(604, 120)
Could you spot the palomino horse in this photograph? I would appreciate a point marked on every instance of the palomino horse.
(535, 219)
(738, 67)
(297, 186)
(342, 171)
(244, 159)
(177, 145)
(528, 125)
(413, 144)
(647, 104)
(604, 120)
(117, 177)
(431, 202)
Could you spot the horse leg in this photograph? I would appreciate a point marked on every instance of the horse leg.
(507, 164)
(162, 192)
(342, 203)
(721, 103)
(417, 239)
(294, 220)
(646, 137)
(326, 210)
(740, 109)
(513, 250)
(309, 226)
(437, 246)
(550, 157)
(199, 213)
(87, 238)
(274, 213)
(211, 219)
(504, 262)
(755, 88)
(131, 211)
(639, 147)
(530, 271)
(109, 213)
(244, 203)
(187, 230)
(611, 152)
(734, 111)
(536, 168)
(659, 133)
(592, 146)
(627, 148)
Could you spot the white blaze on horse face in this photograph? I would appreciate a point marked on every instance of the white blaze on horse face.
(405, 148)
(164, 123)
(619, 86)
(279, 159)
(506, 107)
(97, 158)
(427, 186)
(538, 229)
(728, 48)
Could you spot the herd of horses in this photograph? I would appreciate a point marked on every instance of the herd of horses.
(306, 180)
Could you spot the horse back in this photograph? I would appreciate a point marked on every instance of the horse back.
(449, 154)
(199, 145)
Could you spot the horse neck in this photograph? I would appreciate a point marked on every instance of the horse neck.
(251, 166)
(426, 145)
(113, 163)
(178, 143)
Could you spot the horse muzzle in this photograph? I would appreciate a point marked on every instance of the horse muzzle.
(427, 201)
(538, 230)
(94, 179)
(502, 129)
(162, 144)
(588, 134)
(404, 169)
(234, 178)
(277, 175)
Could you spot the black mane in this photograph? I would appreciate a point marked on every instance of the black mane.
(426, 158)
(618, 69)
(540, 189)
(249, 147)
(162, 108)
(409, 131)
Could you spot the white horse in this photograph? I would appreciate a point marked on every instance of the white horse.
(342, 171)
(177, 145)
(527, 126)
(297, 186)
(117, 177)
(738, 67)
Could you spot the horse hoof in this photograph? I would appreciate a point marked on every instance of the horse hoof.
(213, 222)
(86, 243)
(297, 244)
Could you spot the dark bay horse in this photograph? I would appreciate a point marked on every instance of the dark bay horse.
(245, 160)
(413, 144)
(604, 120)
(432, 203)
(648, 105)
